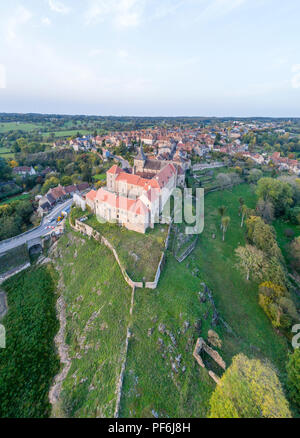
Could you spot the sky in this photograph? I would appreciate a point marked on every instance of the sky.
(151, 57)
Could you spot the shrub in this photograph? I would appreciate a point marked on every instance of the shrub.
(293, 376)
(249, 389)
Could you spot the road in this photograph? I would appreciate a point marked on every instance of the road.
(40, 231)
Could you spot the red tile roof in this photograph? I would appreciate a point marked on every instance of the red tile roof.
(114, 169)
(91, 195)
(113, 200)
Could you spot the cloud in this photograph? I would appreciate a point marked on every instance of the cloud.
(295, 82)
(217, 8)
(96, 52)
(122, 54)
(58, 6)
(46, 21)
(123, 13)
(2, 76)
(167, 8)
(21, 16)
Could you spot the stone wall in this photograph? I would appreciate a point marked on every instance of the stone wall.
(202, 346)
(90, 232)
(13, 272)
(153, 284)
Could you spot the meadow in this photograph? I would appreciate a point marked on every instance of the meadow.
(139, 253)
(151, 387)
(97, 313)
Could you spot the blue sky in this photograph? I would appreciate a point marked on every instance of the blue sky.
(151, 57)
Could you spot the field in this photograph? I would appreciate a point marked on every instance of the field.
(67, 130)
(139, 253)
(13, 258)
(29, 362)
(14, 126)
(97, 312)
(67, 133)
(15, 198)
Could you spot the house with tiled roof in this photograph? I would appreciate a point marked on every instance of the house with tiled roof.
(134, 200)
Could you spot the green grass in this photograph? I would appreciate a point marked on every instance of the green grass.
(21, 197)
(4, 151)
(100, 177)
(236, 298)
(13, 259)
(29, 362)
(14, 126)
(139, 253)
(283, 241)
(66, 133)
(7, 155)
(149, 384)
(92, 282)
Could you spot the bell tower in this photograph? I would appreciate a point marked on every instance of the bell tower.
(140, 160)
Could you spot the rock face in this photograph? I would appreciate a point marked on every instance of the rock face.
(214, 339)
(202, 346)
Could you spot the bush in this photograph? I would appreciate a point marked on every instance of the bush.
(293, 376)
(249, 389)
(275, 302)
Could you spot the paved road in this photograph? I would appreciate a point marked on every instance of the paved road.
(40, 231)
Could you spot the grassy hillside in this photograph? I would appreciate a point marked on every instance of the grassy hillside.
(97, 313)
(151, 387)
(139, 253)
(29, 362)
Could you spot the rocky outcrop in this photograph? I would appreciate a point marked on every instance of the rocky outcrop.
(63, 351)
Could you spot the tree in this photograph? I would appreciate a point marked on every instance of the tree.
(295, 254)
(254, 176)
(242, 202)
(5, 169)
(225, 224)
(293, 376)
(251, 260)
(279, 193)
(249, 389)
(224, 180)
(263, 236)
(49, 184)
(277, 304)
(222, 210)
(66, 180)
(265, 209)
(244, 211)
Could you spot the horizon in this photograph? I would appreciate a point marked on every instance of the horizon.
(142, 57)
(149, 116)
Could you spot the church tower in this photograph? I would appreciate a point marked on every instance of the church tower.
(140, 161)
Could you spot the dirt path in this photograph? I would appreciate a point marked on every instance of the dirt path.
(63, 351)
(120, 381)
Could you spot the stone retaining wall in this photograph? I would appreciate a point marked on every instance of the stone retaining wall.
(90, 232)
(13, 272)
